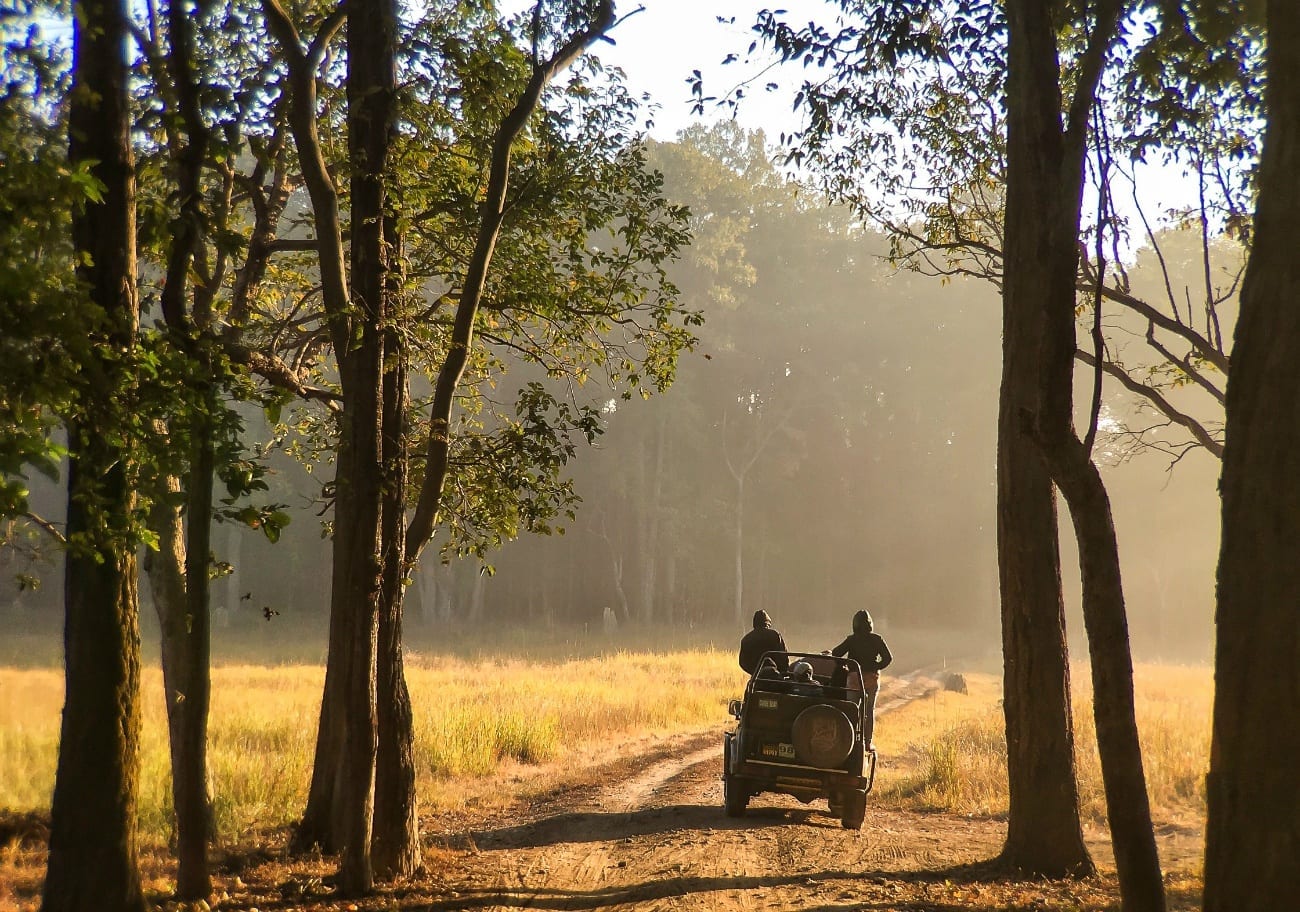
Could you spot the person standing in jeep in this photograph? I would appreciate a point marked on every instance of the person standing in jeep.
(763, 638)
(868, 649)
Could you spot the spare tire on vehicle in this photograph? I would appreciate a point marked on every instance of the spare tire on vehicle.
(823, 736)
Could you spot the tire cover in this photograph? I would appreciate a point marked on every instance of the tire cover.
(823, 736)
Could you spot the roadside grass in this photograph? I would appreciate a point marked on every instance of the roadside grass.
(472, 719)
(948, 752)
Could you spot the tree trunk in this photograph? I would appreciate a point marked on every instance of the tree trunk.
(1128, 809)
(193, 680)
(339, 808)
(166, 569)
(1044, 193)
(652, 523)
(1253, 828)
(1044, 835)
(93, 862)
(354, 608)
(738, 608)
(371, 81)
(397, 831)
(319, 825)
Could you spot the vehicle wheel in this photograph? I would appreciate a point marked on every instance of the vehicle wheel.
(734, 796)
(835, 804)
(854, 810)
(822, 736)
(855, 764)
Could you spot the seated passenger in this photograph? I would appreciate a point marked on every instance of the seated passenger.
(802, 682)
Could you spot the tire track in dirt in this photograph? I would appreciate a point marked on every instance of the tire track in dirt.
(656, 838)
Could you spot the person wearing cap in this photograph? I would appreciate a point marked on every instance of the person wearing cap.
(763, 638)
(868, 649)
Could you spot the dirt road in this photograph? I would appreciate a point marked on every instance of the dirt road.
(644, 830)
(654, 837)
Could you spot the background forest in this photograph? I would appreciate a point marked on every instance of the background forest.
(833, 431)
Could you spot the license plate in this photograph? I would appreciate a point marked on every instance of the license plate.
(780, 751)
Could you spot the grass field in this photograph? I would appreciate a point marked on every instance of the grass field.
(951, 753)
(472, 718)
(476, 718)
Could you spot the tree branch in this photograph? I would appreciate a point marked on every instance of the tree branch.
(492, 212)
(1157, 399)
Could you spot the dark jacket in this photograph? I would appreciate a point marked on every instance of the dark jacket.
(867, 649)
(758, 641)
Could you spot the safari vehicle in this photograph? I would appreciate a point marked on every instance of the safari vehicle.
(801, 737)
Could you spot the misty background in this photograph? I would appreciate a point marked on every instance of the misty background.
(833, 436)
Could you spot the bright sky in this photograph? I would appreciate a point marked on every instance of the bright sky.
(660, 45)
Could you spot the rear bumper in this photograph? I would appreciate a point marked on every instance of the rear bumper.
(795, 779)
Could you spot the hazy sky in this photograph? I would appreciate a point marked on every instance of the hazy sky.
(660, 45)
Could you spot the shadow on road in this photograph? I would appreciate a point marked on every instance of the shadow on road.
(698, 888)
(600, 826)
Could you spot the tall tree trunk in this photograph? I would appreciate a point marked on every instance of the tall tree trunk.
(1253, 829)
(738, 605)
(652, 523)
(1044, 194)
(1044, 835)
(193, 681)
(1128, 809)
(93, 862)
(319, 822)
(371, 80)
(166, 570)
(354, 607)
(340, 799)
(397, 829)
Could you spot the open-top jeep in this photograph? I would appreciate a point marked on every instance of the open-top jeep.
(801, 736)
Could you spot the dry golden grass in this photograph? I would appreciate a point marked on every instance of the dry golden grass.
(948, 750)
(471, 719)
(492, 730)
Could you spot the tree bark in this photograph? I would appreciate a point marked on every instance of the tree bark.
(1253, 827)
(397, 831)
(1044, 834)
(93, 862)
(166, 570)
(371, 96)
(340, 809)
(1128, 809)
(1044, 197)
(193, 679)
